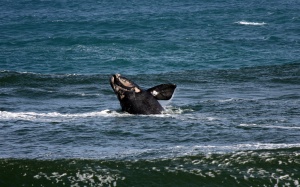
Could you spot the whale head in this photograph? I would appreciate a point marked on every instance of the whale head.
(122, 85)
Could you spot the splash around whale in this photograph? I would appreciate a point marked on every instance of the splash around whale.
(135, 100)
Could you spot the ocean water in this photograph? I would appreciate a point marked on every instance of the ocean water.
(234, 119)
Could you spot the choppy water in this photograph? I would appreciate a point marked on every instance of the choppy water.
(233, 121)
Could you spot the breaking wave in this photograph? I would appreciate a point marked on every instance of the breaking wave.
(251, 23)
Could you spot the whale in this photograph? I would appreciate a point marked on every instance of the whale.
(135, 100)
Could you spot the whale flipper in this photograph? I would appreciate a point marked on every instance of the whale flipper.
(162, 91)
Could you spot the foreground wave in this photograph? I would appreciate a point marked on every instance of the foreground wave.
(243, 168)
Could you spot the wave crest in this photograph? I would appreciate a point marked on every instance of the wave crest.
(251, 23)
(55, 116)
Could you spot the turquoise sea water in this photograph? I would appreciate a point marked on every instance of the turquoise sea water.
(233, 121)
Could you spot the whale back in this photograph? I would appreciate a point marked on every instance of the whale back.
(140, 103)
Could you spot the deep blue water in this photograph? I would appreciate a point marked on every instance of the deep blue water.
(233, 121)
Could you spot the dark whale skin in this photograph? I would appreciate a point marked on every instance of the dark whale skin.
(135, 100)
(141, 103)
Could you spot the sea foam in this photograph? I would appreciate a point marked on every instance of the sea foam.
(251, 23)
(55, 116)
(58, 117)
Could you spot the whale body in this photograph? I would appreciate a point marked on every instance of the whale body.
(135, 100)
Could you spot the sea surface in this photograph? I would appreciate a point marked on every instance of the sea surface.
(234, 119)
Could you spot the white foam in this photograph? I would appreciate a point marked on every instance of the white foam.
(227, 100)
(35, 116)
(179, 151)
(268, 126)
(251, 23)
(58, 117)
(174, 110)
(235, 147)
(90, 178)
